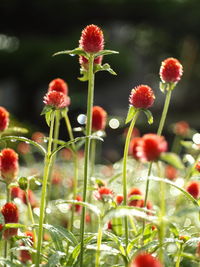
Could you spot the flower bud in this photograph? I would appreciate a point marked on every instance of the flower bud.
(92, 40)
(171, 70)
(56, 99)
(99, 117)
(58, 85)
(142, 96)
(11, 215)
(9, 164)
(170, 172)
(181, 128)
(4, 119)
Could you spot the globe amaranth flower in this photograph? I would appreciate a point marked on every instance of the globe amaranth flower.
(11, 215)
(193, 188)
(170, 172)
(181, 128)
(151, 147)
(104, 194)
(197, 167)
(84, 62)
(23, 148)
(58, 85)
(78, 208)
(38, 137)
(119, 199)
(4, 119)
(134, 144)
(9, 164)
(171, 70)
(142, 96)
(56, 100)
(145, 260)
(134, 192)
(92, 39)
(99, 117)
(25, 254)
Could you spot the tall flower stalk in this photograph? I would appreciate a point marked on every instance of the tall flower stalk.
(141, 98)
(170, 73)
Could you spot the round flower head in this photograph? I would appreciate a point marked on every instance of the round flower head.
(25, 254)
(92, 40)
(104, 194)
(85, 63)
(145, 260)
(151, 147)
(56, 99)
(4, 119)
(171, 70)
(181, 128)
(134, 192)
(142, 96)
(119, 199)
(170, 172)
(197, 167)
(78, 208)
(11, 215)
(58, 85)
(9, 164)
(193, 189)
(23, 148)
(135, 142)
(99, 117)
(38, 137)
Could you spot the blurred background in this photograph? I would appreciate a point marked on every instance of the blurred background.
(144, 33)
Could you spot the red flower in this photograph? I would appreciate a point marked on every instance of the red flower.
(38, 137)
(109, 225)
(4, 119)
(194, 189)
(23, 148)
(198, 166)
(171, 70)
(181, 128)
(58, 85)
(170, 172)
(92, 40)
(16, 192)
(9, 164)
(135, 142)
(78, 207)
(11, 215)
(134, 202)
(25, 254)
(99, 117)
(145, 260)
(66, 154)
(56, 99)
(104, 194)
(151, 147)
(85, 63)
(142, 96)
(119, 199)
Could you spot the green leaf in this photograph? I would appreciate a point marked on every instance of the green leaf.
(117, 226)
(54, 259)
(75, 253)
(13, 138)
(131, 113)
(14, 225)
(84, 74)
(163, 87)
(7, 263)
(149, 115)
(48, 117)
(46, 109)
(91, 207)
(59, 233)
(106, 52)
(15, 130)
(172, 159)
(104, 67)
(188, 196)
(117, 240)
(77, 51)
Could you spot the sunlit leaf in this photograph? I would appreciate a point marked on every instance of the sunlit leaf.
(106, 52)
(172, 159)
(131, 113)
(77, 51)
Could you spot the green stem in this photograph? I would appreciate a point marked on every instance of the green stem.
(30, 212)
(124, 171)
(75, 159)
(87, 149)
(55, 144)
(99, 237)
(44, 191)
(176, 146)
(179, 256)
(92, 160)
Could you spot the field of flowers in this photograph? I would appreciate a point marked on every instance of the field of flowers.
(60, 208)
